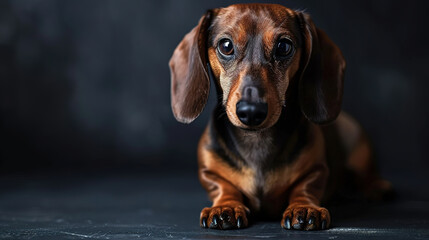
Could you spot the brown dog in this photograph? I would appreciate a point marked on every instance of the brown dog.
(277, 77)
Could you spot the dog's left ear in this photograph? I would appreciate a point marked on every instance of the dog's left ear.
(321, 83)
(190, 83)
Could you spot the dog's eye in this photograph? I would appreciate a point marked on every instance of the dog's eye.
(284, 48)
(226, 47)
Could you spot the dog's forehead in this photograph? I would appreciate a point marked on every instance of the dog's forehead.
(249, 19)
(275, 12)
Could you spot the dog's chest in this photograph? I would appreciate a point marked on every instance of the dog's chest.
(256, 151)
(267, 187)
(261, 157)
(268, 167)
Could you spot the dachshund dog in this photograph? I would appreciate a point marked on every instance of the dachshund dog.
(268, 150)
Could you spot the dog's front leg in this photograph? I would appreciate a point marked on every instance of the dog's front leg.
(304, 211)
(222, 183)
(228, 210)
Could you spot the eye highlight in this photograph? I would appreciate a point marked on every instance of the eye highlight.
(225, 47)
(284, 48)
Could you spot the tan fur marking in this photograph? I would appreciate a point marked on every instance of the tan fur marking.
(282, 178)
(233, 97)
(214, 62)
(242, 178)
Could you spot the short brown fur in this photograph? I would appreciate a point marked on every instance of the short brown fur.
(284, 166)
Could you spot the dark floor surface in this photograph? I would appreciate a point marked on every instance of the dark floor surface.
(167, 206)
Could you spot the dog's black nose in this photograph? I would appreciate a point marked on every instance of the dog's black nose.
(251, 113)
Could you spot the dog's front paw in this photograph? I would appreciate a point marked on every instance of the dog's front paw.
(306, 218)
(224, 217)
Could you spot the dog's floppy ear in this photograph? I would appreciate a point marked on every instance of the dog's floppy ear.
(190, 84)
(321, 83)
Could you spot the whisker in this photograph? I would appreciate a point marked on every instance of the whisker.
(221, 115)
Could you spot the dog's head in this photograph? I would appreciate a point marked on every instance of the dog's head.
(255, 52)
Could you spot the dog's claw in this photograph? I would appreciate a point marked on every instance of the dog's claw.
(239, 222)
(226, 221)
(323, 224)
(297, 226)
(214, 223)
(311, 224)
(287, 223)
(204, 223)
(311, 220)
(224, 217)
(300, 224)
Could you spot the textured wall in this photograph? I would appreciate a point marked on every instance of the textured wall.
(86, 83)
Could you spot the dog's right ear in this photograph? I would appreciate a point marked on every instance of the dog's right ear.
(190, 83)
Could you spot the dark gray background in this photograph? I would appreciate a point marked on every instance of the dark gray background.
(89, 148)
(85, 84)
